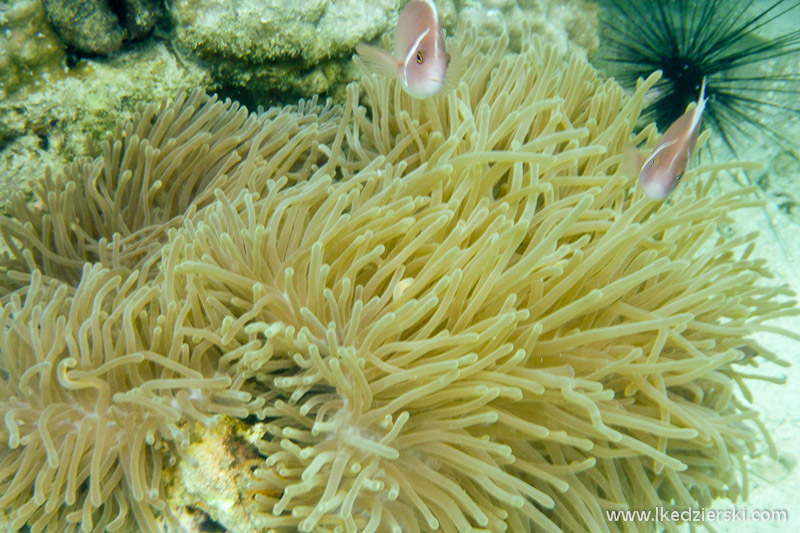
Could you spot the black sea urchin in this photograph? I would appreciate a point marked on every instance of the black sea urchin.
(717, 39)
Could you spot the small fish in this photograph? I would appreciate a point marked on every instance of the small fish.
(420, 60)
(663, 170)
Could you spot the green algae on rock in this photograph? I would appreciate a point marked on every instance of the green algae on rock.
(276, 46)
(94, 27)
(29, 50)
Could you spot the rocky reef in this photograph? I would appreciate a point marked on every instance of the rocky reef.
(97, 27)
(277, 46)
(568, 25)
(303, 48)
(29, 48)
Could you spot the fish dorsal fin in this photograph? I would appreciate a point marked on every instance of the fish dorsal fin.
(686, 127)
(697, 112)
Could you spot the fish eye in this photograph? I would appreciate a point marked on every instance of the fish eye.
(419, 57)
(678, 177)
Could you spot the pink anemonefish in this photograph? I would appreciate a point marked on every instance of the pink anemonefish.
(420, 60)
(663, 170)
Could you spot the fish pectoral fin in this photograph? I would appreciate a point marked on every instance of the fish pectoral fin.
(377, 60)
(632, 161)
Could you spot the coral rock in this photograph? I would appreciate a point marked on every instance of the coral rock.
(86, 25)
(277, 45)
(29, 49)
(141, 16)
(571, 24)
(94, 27)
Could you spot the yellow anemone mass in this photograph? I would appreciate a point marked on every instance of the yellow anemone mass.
(449, 313)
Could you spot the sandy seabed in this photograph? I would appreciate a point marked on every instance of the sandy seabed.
(774, 484)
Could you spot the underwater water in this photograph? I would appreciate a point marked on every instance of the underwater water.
(380, 265)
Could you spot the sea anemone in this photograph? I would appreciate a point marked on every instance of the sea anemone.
(101, 377)
(158, 168)
(481, 323)
(447, 314)
(97, 384)
(716, 39)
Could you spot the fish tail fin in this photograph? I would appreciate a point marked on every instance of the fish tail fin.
(377, 60)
